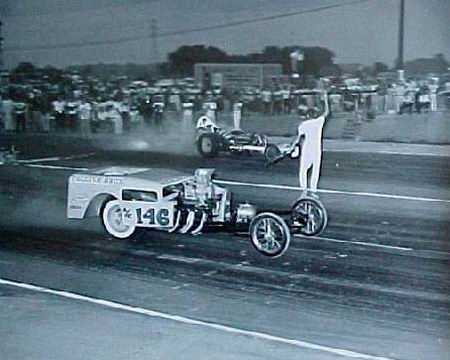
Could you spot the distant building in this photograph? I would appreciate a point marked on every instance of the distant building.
(351, 68)
(236, 75)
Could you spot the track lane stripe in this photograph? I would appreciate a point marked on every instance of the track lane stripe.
(189, 321)
(362, 243)
(31, 161)
(329, 191)
(56, 167)
(56, 158)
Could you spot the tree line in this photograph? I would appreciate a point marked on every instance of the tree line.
(318, 61)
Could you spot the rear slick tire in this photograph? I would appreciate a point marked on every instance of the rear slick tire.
(207, 145)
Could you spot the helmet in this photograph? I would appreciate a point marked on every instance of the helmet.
(206, 123)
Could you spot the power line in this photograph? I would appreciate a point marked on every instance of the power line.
(79, 44)
(82, 10)
(262, 19)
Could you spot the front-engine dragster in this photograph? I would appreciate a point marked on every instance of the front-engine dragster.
(211, 139)
(129, 200)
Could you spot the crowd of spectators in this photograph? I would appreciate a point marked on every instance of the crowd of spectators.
(90, 105)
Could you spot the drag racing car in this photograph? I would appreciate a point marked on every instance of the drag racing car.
(211, 140)
(130, 200)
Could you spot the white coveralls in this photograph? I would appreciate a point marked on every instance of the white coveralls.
(311, 154)
(311, 151)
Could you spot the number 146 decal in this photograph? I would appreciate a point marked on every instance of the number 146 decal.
(153, 217)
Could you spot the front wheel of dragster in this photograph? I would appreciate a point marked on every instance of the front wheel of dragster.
(207, 145)
(269, 234)
(271, 153)
(309, 216)
(118, 220)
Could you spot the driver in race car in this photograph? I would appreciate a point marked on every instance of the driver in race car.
(309, 138)
(205, 122)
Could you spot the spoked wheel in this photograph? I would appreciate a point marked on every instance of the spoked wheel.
(309, 216)
(207, 145)
(118, 220)
(269, 234)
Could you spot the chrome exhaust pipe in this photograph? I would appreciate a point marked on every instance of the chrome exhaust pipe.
(199, 228)
(189, 222)
(177, 223)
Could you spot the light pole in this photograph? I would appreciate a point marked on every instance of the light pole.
(401, 39)
(1, 48)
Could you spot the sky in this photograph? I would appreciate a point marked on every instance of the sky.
(360, 32)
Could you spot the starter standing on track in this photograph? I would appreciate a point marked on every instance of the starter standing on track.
(130, 200)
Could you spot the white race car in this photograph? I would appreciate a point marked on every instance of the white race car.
(131, 199)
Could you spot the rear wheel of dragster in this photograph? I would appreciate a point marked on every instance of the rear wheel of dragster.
(118, 220)
(309, 216)
(269, 234)
(207, 145)
(271, 153)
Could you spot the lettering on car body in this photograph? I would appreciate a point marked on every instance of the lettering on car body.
(96, 179)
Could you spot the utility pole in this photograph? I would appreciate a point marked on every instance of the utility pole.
(401, 35)
(1, 48)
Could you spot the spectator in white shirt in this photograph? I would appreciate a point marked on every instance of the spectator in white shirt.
(84, 115)
(266, 96)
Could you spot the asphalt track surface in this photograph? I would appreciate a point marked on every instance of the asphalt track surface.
(375, 284)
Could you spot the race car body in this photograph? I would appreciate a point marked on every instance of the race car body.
(131, 199)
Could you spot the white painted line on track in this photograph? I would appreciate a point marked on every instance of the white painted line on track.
(56, 158)
(31, 161)
(390, 152)
(178, 258)
(362, 243)
(55, 167)
(238, 183)
(412, 153)
(189, 321)
(328, 191)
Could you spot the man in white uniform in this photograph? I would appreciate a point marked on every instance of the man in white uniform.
(311, 147)
(7, 114)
